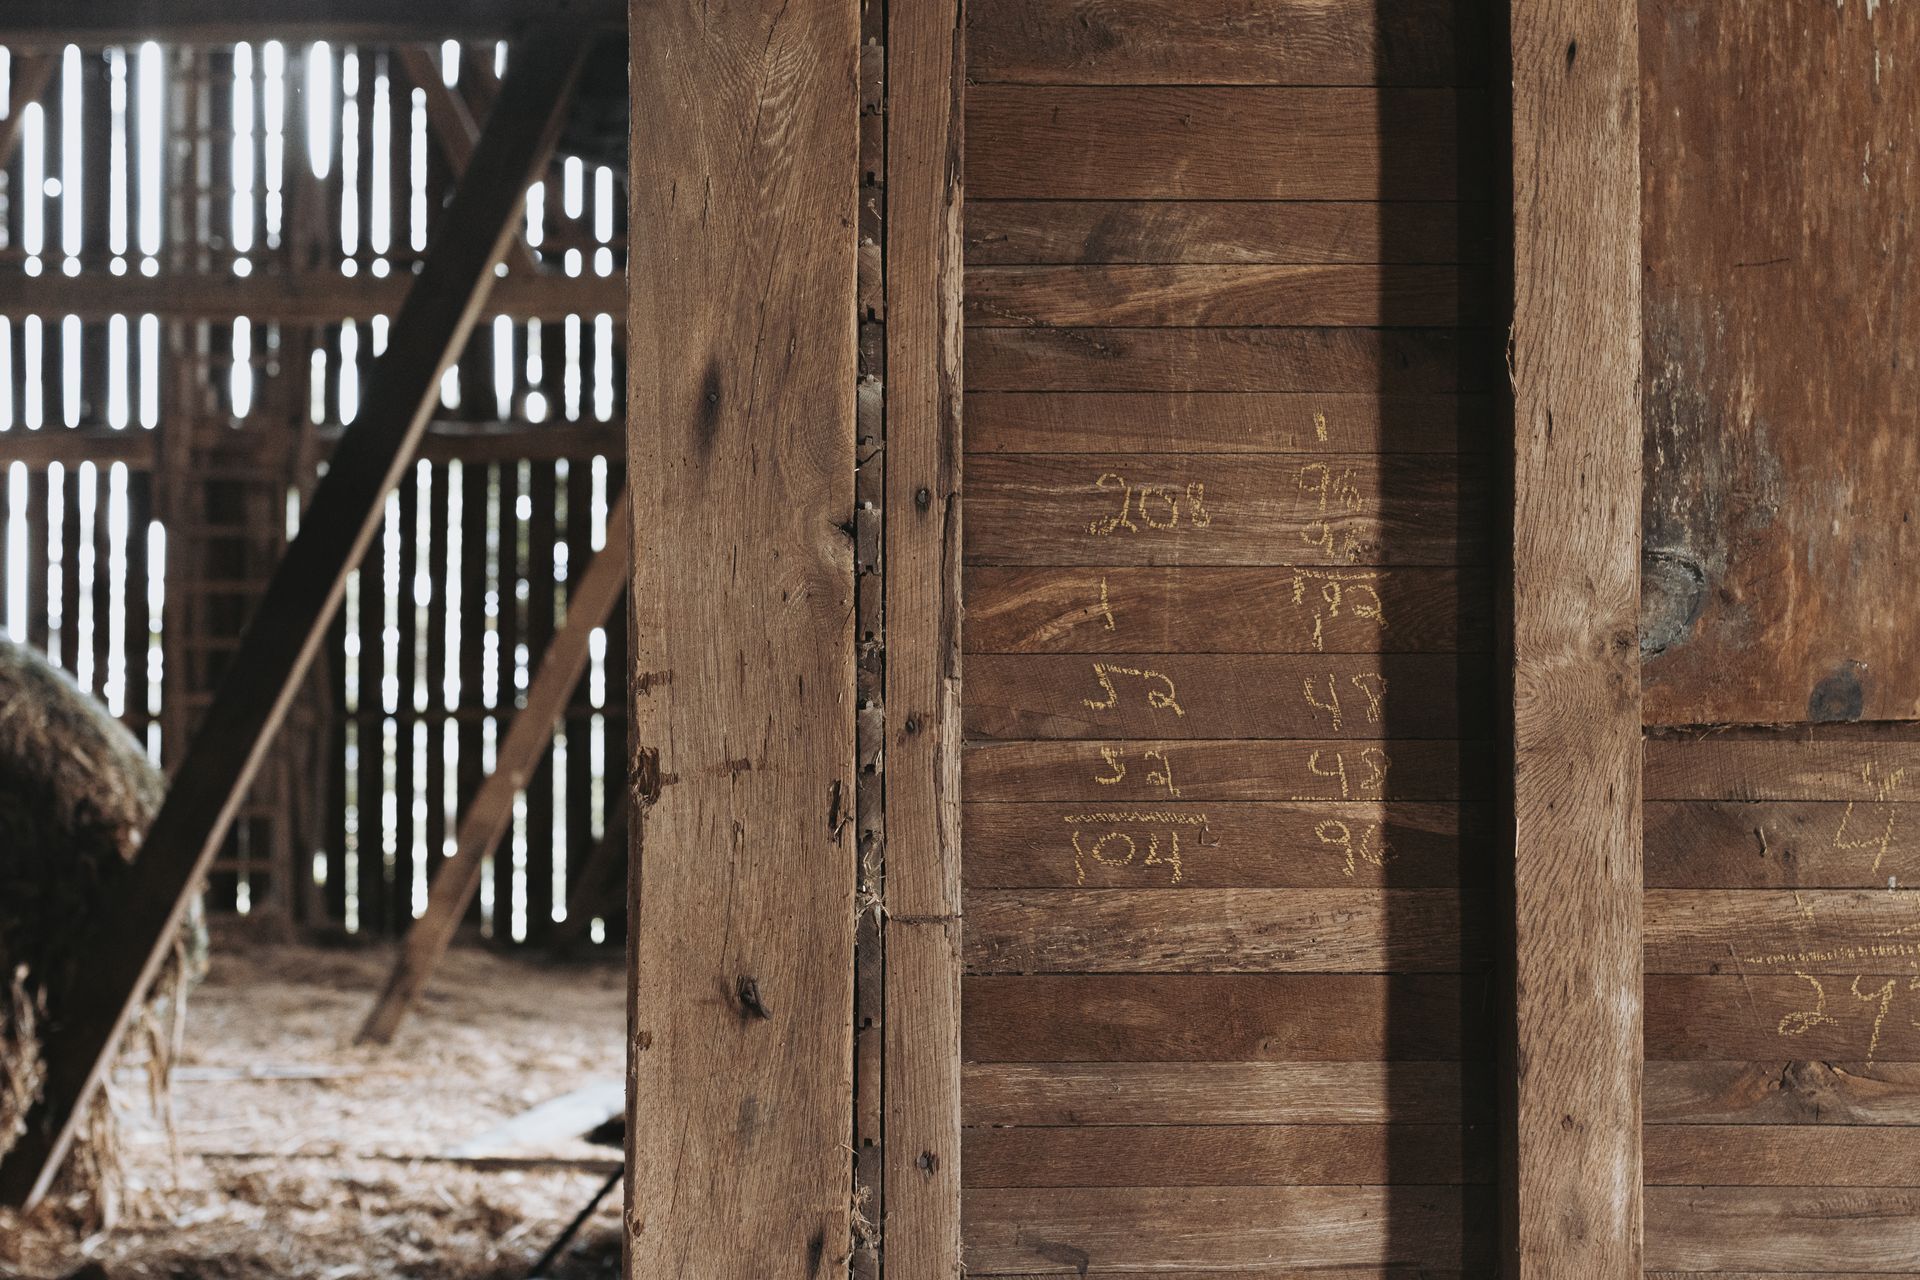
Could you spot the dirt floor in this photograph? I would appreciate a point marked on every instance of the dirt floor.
(294, 1154)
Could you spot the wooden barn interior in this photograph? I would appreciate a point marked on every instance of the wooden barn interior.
(770, 639)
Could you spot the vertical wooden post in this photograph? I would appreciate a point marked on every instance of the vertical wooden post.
(925, 76)
(1575, 1198)
(741, 470)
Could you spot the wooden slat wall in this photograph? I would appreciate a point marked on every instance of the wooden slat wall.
(1232, 380)
(1782, 1097)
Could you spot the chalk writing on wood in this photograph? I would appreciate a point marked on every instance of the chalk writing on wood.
(1863, 836)
(1150, 506)
(1160, 692)
(1117, 847)
(1363, 776)
(1369, 845)
(1333, 493)
(1162, 776)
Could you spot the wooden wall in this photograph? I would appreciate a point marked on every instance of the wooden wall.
(1232, 375)
(1782, 1084)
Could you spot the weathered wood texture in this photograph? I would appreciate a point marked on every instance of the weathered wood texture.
(741, 467)
(920, 1232)
(1781, 949)
(1779, 378)
(1575, 1206)
(1285, 42)
(134, 926)
(1233, 378)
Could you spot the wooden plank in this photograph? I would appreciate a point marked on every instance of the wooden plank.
(50, 24)
(1291, 42)
(524, 746)
(1236, 845)
(1778, 392)
(140, 915)
(1067, 1231)
(1796, 1091)
(1195, 609)
(1781, 844)
(1573, 1185)
(1226, 296)
(1116, 509)
(1220, 1093)
(1246, 696)
(1826, 1230)
(922, 1161)
(1844, 931)
(1216, 143)
(1714, 768)
(309, 297)
(1222, 931)
(1226, 422)
(1391, 361)
(1039, 232)
(1223, 1018)
(1775, 1155)
(742, 367)
(1150, 772)
(1228, 1156)
(1762, 1016)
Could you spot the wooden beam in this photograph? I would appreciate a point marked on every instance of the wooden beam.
(1575, 1198)
(491, 810)
(456, 129)
(314, 297)
(741, 463)
(143, 909)
(446, 440)
(52, 23)
(925, 76)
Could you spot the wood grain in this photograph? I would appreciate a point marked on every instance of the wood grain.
(1226, 296)
(1575, 351)
(1041, 232)
(1223, 1018)
(1778, 235)
(1150, 772)
(1774, 1155)
(1229, 1156)
(1068, 1231)
(1118, 509)
(1195, 609)
(1221, 1093)
(1332, 42)
(742, 369)
(1390, 361)
(1781, 844)
(1243, 695)
(1222, 931)
(1797, 1091)
(1812, 1229)
(1714, 768)
(1331, 844)
(1759, 1016)
(1227, 422)
(1216, 143)
(1836, 931)
(925, 59)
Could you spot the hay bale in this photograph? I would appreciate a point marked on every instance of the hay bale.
(76, 795)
